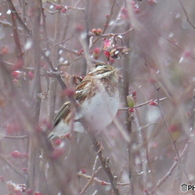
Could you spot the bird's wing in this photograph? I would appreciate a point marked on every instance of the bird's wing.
(81, 94)
(82, 90)
(62, 112)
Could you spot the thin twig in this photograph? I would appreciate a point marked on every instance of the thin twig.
(14, 137)
(60, 42)
(87, 19)
(192, 117)
(29, 32)
(54, 58)
(168, 174)
(143, 104)
(171, 137)
(90, 180)
(16, 36)
(141, 137)
(8, 24)
(107, 21)
(173, 42)
(12, 166)
(94, 179)
(24, 11)
(95, 192)
(157, 88)
(95, 163)
(44, 27)
(19, 18)
(188, 20)
(36, 89)
(110, 34)
(99, 180)
(105, 164)
(58, 77)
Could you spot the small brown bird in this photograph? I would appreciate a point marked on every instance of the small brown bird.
(98, 99)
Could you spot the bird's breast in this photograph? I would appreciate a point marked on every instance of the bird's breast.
(100, 110)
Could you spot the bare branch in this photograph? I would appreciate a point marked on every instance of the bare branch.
(185, 12)
(90, 180)
(143, 104)
(172, 168)
(107, 21)
(110, 34)
(19, 18)
(105, 165)
(12, 167)
(100, 181)
(14, 137)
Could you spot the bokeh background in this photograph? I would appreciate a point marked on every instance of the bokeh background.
(150, 144)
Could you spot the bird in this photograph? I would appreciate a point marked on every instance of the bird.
(97, 97)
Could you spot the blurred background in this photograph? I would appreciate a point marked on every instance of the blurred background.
(150, 142)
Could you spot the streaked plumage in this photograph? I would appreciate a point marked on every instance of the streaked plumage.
(97, 95)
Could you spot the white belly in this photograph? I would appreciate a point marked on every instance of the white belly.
(100, 110)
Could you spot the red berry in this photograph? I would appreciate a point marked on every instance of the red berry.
(133, 93)
(58, 7)
(174, 127)
(96, 50)
(16, 154)
(107, 54)
(64, 10)
(57, 152)
(30, 75)
(80, 52)
(38, 193)
(96, 53)
(68, 136)
(124, 13)
(99, 31)
(58, 141)
(79, 28)
(83, 171)
(187, 54)
(137, 10)
(107, 43)
(153, 103)
(131, 110)
(4, 50)
(103, 183)
(16, 74)
(25, 170)
(93, 30)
